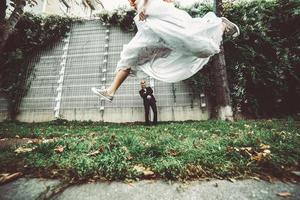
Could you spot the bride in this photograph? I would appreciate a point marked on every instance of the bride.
(169, 45)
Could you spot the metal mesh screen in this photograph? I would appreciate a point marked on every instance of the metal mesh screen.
(3, 105)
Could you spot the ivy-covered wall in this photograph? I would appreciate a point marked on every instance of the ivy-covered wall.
(32, 34)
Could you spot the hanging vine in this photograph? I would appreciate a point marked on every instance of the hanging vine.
(121, 17)
(31, 34)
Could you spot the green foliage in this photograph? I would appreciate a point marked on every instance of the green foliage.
(198, 9)
(121, 17)
(31, 35)
(175, 151)
(263, 65)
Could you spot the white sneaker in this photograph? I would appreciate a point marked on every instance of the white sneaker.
(102, 93)
(231, 29)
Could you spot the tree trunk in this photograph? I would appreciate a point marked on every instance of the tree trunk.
(223, 109)
(7, 27)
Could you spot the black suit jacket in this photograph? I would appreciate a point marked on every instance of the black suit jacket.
(144, 95)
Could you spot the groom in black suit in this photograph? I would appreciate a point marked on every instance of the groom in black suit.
(149, 100)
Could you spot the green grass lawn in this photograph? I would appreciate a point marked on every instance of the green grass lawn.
(177, 151)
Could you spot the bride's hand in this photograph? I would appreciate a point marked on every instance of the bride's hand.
(142, 15)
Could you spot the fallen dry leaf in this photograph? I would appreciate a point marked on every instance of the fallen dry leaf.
(93, 153)
(129, 181)
(44, 141)
(297, 173)
(4, 178)
(54, 172)
(255, 178)
(142, 169)
(284, 194)
(139, 168)
(267, 151)
(92, 134)
(125, 149)
(259, 155)
(232, 180)
(129, 157)
(24, 150)
(246, 148)
(247, 126)
(59, 149)
(100, 150)
(2, 175)
(195, 170)
(113, 136)
(148, 173)
(29, 142)
(264, 146)
(173, 152)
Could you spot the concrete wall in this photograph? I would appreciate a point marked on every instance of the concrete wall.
(117, 115)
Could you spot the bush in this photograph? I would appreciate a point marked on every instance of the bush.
(262, 62)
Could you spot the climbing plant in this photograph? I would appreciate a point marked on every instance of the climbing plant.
(32, 34)
(121, 17)
(263, 63)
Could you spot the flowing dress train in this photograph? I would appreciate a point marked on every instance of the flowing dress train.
(170, 45)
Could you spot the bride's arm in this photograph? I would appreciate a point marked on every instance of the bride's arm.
(133, 4)
(145, 3)
(143, 11)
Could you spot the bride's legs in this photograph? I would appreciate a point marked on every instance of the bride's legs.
(108, 94)
(119, 78)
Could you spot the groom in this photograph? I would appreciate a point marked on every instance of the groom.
(149, 100)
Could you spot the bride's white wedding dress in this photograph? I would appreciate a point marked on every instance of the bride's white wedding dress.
(170, 45)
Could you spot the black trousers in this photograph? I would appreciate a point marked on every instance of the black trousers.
(147, 106)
